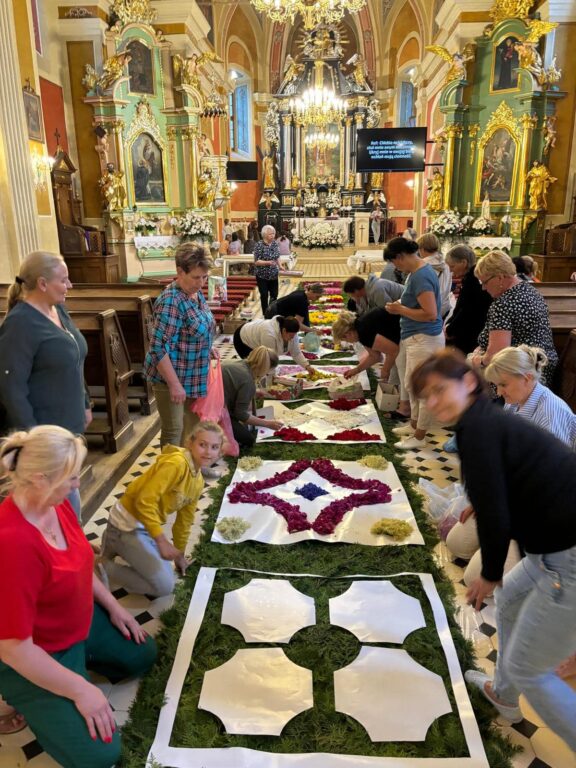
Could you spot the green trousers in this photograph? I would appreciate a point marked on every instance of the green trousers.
(58, 726)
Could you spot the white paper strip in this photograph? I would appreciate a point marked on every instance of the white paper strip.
(290, 372)
(314, 417)
(339, 354)
(268, 526)
(239, 757)
(390, 694)
(376, 612)
(268, 611)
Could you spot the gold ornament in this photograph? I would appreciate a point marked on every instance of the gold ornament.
(130, 11)
(539, 179)
(458, 61)
(111, 71)
(112, 188)
(187, 68)
(510, 9)
(435, 185)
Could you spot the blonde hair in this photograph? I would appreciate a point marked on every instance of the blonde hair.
(205, 426)
(516, 361)
(343, 324)
(261, 360)
(36, 265)
(46, 450)
(495, 263)
(429, 243)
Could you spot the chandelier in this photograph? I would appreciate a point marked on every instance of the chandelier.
(313, 12)
(318, 107)
(322, 140)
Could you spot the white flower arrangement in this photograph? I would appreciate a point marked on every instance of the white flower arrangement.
(145, 226)
(321, 235)
(311, 200)
(193, 225)
(333, 201)
(448, 223)
(481, 226)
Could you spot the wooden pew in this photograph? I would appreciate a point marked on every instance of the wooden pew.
(107, 370)
(562, 322)
(556, 289)
(135, 314)
(107, 366)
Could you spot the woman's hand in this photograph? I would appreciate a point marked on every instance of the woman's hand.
(182, 563)
(393, 308)
(95, 709)
(88, 417)
(177, 393)
(167, 550)
(214, 354)
(350, 373)
(467, 513)
(273, 424)
(475, 358)
(127, 624)
(478, 590)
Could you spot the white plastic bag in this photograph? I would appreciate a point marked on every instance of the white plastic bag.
(445, 505)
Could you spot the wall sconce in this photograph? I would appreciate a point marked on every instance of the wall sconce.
(41, 167)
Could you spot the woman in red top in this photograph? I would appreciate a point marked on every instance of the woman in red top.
(56, 617)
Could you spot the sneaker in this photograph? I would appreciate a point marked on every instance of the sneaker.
(479, 680)
(410, 443)
(450, 445)
(405, 430)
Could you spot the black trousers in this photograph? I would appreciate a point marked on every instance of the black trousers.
(268, 290)
(242, 349)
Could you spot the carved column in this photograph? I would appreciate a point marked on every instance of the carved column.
(287, 147)
(528, 124)
(347, 148)
(358, 121)
(452, 131)
(17, 195)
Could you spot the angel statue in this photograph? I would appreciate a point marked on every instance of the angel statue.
(458, 61)
(267, 199)
(292, 69)
(112, 188)
(435, 185)
(358, 75)
(206, 189)
(272, 125)
(187, 68)
(373, 113)
(539, 179)
(90, 78)
(112, 70)
(549, 133)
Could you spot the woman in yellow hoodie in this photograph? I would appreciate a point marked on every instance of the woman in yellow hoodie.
(172, 484)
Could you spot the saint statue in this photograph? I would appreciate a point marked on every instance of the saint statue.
(485, 210)
(268, 169)
(113, 189)
(539, 179)
(295, 181)
(376, 180)
(206, 190)
(435, 200)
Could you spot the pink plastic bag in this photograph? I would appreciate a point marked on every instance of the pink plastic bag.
(210, 407)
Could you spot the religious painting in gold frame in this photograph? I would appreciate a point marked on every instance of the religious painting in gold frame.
(319, 165)
(504, 71)
(499, 157)
(141, 68)
(147, 171)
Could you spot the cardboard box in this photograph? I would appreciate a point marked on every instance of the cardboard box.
(387, 397)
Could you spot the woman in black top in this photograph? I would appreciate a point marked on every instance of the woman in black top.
(469, 315)
(521, 482)
(378, 331)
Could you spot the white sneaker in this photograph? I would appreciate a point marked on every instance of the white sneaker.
(407, 429)
(479, 680)
(410, 443)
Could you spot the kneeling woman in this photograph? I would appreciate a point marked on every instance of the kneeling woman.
(57, 618)
(135, 527)
(521, 482)
(280, 334)
(378, 331)
(240, 377)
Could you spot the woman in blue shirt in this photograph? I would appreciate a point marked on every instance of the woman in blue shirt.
(421, 331)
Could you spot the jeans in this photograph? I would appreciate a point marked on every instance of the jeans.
(413, 351)
(146, 573)
(536, 622)
(176, 419)
(268, 290)
(76, 503)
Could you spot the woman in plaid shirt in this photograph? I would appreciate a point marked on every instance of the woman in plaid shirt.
(178, 360)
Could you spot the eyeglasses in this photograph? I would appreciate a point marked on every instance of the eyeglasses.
(485, 283)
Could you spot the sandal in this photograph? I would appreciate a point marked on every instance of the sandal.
(12, 723)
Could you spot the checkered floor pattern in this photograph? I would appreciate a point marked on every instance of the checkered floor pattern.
(541, 748)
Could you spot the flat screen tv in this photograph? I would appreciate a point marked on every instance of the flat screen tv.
(390, 149)
(241, 170)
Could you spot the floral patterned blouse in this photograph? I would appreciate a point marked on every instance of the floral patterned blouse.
(522, 311)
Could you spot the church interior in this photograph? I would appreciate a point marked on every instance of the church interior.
(352, 145)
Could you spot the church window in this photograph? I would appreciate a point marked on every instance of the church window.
(239, 116)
